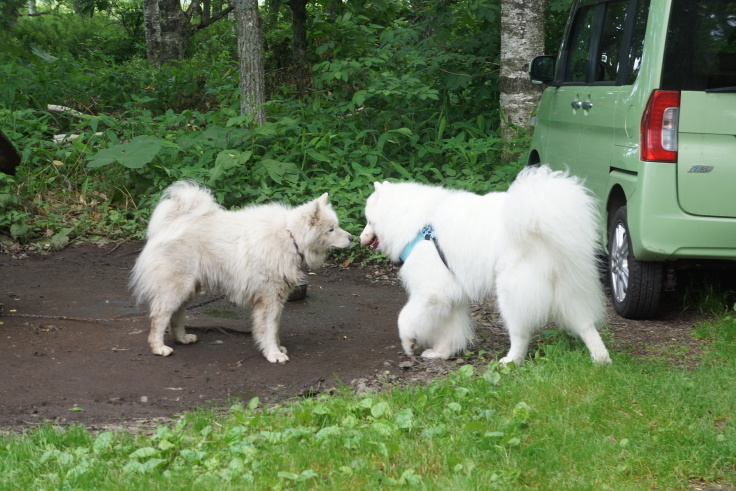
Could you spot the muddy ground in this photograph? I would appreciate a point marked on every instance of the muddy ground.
(88, 360)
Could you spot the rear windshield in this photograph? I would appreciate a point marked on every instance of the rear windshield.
(700, 53)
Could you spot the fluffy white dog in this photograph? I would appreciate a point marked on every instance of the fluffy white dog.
(254, 255)
(532, 247)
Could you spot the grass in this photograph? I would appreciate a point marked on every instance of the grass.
(556, 423)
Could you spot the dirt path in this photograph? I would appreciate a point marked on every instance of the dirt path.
(101, 372)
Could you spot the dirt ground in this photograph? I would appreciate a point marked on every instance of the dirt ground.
(84, 357)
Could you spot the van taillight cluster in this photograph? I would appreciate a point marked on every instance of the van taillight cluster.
(659, 127)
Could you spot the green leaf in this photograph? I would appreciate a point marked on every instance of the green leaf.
(144, 452)
(137, 153)
(404, 173)
(403, 131)
(466, 371)
(379, 409)
(317, 156)
(405, 419)
(278, 170)
(521, 411)
(103, 442)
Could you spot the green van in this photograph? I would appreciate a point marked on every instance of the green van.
(641, 103)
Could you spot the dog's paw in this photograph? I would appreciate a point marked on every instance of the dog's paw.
(507, 359)
(409, 346)
(430, 353)
(187, 339)
(277, 357)
(162, 350)
(283, 350)
(602, 359)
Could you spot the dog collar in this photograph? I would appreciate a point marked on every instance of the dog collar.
(296, 245)
(427, 233)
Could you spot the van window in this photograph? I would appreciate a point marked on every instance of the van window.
(700, 52)
(577, 62)
(597, 40)
(636, 48)
(610, 46)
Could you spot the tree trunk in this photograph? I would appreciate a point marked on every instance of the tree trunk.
(522, 38)
(299, 30)
(152, 27)
(175, 30)
(31, 7)
(206, 10)
(250, 60)
(168, 27)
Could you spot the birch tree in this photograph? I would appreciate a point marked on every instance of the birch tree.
(522, 38)
(250, 60)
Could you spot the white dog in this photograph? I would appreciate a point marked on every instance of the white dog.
(254, 255)
(533, 248)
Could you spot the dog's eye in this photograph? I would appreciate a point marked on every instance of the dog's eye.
(332, 229)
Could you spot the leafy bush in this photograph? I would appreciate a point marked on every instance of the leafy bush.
(405, 99)
(98, 38)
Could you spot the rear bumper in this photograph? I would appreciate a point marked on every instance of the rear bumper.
(660, 229)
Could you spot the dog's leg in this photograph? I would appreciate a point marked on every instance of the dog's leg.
(178, 331)
(520, 338)
(266, 320)
(520, 325)
(434, 321)
(525, 303)
(159, 323)
(167, 311)
(454, 334)
(410, 323)
(592, 339)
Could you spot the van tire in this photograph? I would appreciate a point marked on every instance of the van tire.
(636, 286)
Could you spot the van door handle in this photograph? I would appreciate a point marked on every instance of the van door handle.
(576, 104)
(587, 105)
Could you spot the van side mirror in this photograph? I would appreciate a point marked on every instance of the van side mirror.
(542, 69)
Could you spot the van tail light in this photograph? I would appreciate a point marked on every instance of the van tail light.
(659, 127)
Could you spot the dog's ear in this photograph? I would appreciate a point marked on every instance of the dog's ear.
(316, 212)
(376, 185)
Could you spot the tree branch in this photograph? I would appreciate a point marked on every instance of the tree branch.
(36, 14)
(214, 19)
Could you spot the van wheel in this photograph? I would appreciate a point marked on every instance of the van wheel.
(636, 285)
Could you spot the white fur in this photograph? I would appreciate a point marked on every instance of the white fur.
(532, 247)
(247, 254)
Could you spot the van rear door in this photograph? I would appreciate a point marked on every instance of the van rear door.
(706, 168)
(700, 61)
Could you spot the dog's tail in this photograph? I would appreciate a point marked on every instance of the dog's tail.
(552, 215)
(181, 198)
(554, 207)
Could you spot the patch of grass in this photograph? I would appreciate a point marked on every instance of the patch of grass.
(556, 423)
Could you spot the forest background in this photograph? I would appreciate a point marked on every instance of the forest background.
(105, 117)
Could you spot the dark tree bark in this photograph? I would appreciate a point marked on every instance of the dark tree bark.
(176, 29)
(250, 60)
(168, 27)
(299, 30)
(152, 27)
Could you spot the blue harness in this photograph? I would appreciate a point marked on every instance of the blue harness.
(427, 233)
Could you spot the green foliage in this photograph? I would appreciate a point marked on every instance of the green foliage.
(83, 37)
(410, 97)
